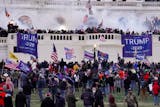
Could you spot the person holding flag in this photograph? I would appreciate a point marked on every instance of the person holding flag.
(54, 55)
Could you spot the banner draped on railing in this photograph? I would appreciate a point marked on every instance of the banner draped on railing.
(137, 45)
(27, 43)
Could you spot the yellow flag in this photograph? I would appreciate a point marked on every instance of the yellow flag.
(12, 56)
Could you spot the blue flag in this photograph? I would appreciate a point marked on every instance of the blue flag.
(102, 55)
(24, 67)
(27, 43)
(69, 53)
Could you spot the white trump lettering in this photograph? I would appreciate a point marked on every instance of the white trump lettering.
(138, 41)
(28, 37)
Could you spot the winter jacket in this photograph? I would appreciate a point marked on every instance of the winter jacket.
(2, 96)
(27, 89)
(63, 85)
(87, 98)
(47, 102)
(99, 98)
(71, 100)
(127, 83)
(20, 100)
(155, 88)
(60, 101)
(41, 83)
(8, 101)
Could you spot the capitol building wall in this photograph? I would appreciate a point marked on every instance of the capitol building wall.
(78, 42)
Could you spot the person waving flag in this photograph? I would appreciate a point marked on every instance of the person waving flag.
(54, 55)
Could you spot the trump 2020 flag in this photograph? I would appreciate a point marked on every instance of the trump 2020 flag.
(27, 43)
(69, 53)
(23, 66)
(102, 55)
(88, 55)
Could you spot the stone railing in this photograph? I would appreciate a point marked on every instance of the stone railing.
(109, 38)
(3, 41)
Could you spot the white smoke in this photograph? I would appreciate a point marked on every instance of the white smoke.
(73, 18)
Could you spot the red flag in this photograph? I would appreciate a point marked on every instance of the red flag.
(85, 19)
(6, 12)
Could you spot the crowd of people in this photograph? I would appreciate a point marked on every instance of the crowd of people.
(92, 80)
(14, 29)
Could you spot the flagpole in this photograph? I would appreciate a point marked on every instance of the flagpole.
(2, 66)
(94, 49)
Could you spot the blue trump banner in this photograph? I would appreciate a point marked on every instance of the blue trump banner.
(137, 45)
(27, 43)
(102, 55)
(23, 66)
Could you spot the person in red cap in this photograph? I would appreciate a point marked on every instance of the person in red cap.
(2, 97)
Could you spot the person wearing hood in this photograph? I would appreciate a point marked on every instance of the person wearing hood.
(70, 98)
(20, 100)
(48, 102)
(60, 101)
(111, 101)
(88, 98)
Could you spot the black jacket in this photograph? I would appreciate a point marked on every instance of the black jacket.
(99, 98)
(27, 89)
(63, 85)
(47, 102)
(71, 100)
(127, 83)
(60, 101)
(8, 101)
(87, 97)
(20, 100)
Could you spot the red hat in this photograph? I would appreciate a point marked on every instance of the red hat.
(1, 89)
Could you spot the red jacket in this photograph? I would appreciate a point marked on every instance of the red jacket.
(2, 96)
(146, 76)
(155, 88)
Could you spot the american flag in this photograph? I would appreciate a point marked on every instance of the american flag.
(54, 55)
(11, 65)
(69, 53)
